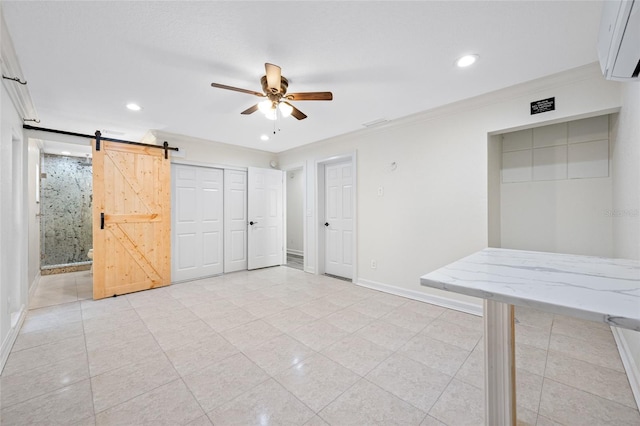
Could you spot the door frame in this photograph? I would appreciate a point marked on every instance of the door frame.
(296, 166)
(319, 229)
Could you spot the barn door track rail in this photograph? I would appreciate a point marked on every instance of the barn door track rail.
(98, 137)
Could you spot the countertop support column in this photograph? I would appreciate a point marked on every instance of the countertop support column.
(499, 364)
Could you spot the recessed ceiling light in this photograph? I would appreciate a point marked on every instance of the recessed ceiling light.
(134, 107)
(65, 153)
(264, 138)
(466, 60)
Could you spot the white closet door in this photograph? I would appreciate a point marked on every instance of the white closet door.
(339, 219)
(235, 220)
(266, 218)
(197, 218)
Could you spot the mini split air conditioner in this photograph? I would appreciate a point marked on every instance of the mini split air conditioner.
(619, 40)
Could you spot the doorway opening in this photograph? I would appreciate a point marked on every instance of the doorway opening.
(295, 218)
(63, 222)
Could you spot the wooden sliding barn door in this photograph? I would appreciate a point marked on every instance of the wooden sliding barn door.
(131, 218)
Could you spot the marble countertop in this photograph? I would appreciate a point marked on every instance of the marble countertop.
(592, 288)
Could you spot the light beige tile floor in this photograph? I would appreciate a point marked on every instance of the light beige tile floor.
(62, 288)
(278, 346)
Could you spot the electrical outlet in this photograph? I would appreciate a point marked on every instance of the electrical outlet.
(380, 191)
(374, 264)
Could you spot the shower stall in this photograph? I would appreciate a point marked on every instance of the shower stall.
(65, 213)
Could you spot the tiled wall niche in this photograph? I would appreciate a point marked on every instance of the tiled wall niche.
(65, 207)
(574, 150)
(556, 188)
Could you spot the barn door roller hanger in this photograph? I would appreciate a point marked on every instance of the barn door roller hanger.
(164, 146)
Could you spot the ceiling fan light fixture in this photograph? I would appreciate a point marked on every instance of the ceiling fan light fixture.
(466, 60)
(272, 114)
(133, 107)
(285, 109)
(264, 138)
(265, 106)
(274, 95)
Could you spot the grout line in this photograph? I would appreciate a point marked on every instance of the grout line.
(47, 343)
(546, 360)
(178, 376)
(86, 352)
(589, 393)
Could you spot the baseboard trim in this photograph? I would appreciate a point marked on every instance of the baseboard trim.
(445, 302)
(628, 362)
(34, 286)
(295, 252)
(187, 280)
(11, 338)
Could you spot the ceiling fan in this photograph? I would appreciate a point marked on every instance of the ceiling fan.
(274, 86)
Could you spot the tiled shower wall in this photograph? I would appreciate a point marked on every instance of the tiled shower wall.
(65, 205)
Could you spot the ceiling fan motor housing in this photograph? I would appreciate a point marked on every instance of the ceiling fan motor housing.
(284, 84)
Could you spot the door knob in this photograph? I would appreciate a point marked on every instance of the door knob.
(326, 224)
(252, 223)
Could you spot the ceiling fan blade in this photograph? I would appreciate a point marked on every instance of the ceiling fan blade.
(237, 89)
(310, 96)
(250, 110)
(296, 112)
(274, 77)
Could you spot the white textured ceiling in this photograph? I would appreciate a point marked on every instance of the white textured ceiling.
(85, 60)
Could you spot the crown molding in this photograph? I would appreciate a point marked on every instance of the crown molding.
(175, 138)
(18, 93)
(569, 77)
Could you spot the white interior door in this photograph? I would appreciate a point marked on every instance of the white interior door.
(197, 217)
(235, 220)
(339, 219)
(266, 221)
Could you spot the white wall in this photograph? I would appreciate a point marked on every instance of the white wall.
(34, 209)
(626, 176)
(494, 165)
(562, 213)
(204, 152)
(435, 203)
(295, 205)
(567, 216)
(13, 225)
(626, 208)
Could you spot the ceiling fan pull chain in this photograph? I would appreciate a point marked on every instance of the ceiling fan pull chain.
(280, 117)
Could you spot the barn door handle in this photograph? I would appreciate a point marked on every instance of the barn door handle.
(102, 220)
(326, 224)
(252, 223)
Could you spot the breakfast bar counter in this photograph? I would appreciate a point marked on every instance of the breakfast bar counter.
(591, 288)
